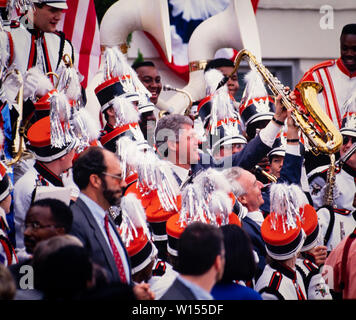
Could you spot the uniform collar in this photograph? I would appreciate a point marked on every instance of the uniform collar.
(344, 70)
(49, 175)
(30, 27)
(282, 268)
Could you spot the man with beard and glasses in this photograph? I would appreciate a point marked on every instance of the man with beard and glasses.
(98, 175)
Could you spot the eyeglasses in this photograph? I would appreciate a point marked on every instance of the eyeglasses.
(346, 139)
(116, 176)
(36, 226)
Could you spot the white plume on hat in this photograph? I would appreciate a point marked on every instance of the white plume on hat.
(212, 180)
(222, 106)
(221, 206)
(212, 79)
(194, 207)
(255, 86)
(69, 82)
(116, 65)
(285, 202)
(152, 172)
(60, 113)
(84, 128)
(125, 111)
(133, 218)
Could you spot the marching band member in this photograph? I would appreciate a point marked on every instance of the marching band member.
(284, 237)
(337, 221)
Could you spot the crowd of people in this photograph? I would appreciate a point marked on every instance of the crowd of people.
(228, 202)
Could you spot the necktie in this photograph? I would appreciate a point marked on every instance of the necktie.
(118, 261)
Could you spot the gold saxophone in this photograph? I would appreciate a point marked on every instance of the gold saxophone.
(330, 183)
(187, 110)
(322, 134)
(328, 199)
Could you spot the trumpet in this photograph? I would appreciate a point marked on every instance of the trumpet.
(269, 176)
(321, 133)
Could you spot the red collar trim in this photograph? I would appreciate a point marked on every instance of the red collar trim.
(116, 132)
(344, 70)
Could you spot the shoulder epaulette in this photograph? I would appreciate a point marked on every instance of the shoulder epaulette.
(160, 269)
(273, 286)
(275, 280)
(312, 267)
(323, 64)
(14, 24)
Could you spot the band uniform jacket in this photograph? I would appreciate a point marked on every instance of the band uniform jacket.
(87, 230)
(31, 48)
(338, 84)
(339, 222)
(24, 196)
(314, 283)
(279, 282)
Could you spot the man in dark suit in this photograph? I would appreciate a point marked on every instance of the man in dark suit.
(177, 142)
(98, 174)
(201, 262)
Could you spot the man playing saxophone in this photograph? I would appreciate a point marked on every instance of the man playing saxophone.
(334, 194)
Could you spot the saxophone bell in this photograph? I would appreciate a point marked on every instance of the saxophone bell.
(318, 128)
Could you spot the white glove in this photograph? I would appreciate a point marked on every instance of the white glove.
(30, 86)
(11, 86)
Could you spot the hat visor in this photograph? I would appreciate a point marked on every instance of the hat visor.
(348, 132)
(58, 5)
(260, 117)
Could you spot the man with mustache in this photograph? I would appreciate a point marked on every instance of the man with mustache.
(98, 174)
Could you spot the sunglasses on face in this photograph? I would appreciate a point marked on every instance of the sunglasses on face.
(346, 139)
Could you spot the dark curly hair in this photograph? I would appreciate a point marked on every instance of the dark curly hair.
(90, 161)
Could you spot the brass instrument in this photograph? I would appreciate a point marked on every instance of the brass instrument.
(322, 134)
(330, 177)
(187, 110)
(269, 176)
(330, 182)
(18, 144)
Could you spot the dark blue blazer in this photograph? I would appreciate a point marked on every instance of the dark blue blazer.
(254, 232)
(247, 158)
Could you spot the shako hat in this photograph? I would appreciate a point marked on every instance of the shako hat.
(39, 140)
(282, 229)
(135, 234)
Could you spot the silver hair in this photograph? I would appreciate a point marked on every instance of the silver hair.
(168, 128)
(232, 175)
